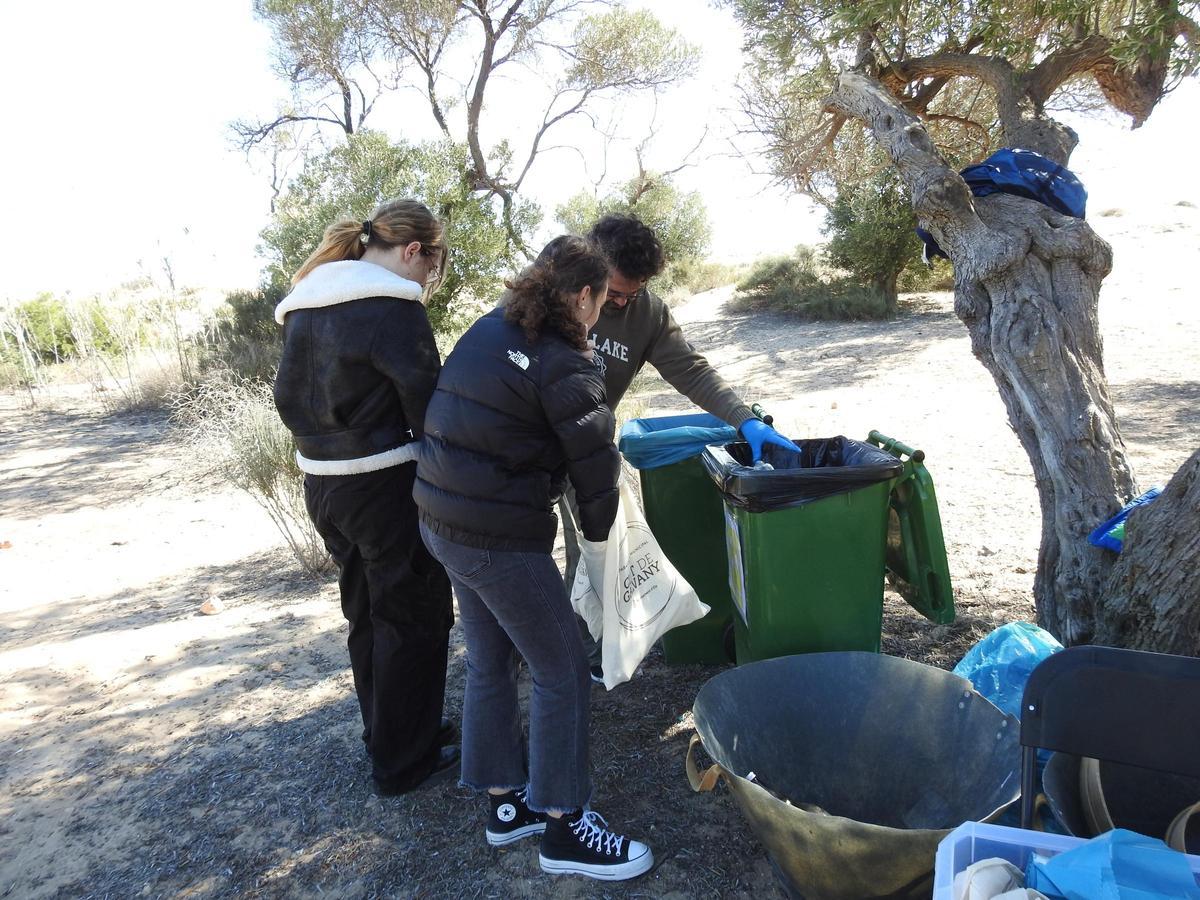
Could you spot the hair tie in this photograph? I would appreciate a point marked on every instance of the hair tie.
(366, 231)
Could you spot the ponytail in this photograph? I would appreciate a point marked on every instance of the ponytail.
(342, 240)
(392, 223)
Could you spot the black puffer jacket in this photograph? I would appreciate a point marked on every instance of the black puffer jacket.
(508, 423)
(358, 368)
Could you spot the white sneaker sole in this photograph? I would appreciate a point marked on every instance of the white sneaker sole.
(616, 872)
(511, 837)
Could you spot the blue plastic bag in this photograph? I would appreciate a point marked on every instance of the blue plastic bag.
(1000, 664)
(1031, 175)
(1117, 865)
(1111, 533)
(1026, 174)
(652, 443)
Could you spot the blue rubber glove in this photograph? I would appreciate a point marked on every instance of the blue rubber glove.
(757, 432)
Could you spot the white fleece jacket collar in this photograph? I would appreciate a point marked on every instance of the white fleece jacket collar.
(340, 282)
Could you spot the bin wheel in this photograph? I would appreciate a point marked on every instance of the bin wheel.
(728, 641)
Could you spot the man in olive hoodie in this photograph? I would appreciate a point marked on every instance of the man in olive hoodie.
(636, 328)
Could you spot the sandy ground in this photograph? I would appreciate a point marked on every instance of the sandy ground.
(149, 750)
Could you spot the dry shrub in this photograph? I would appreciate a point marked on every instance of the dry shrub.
(231, 425)
(801, 286)
(135, 349)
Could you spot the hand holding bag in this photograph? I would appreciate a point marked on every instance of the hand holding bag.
(629, 593)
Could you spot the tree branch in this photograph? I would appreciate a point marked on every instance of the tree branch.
(547, 124)
(1063, 65)
(475, 106)
(919, 102)
(940, 198)
(250, 135)
(996, 71)
(969, 124)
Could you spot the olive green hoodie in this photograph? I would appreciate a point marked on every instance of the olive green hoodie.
(644, 331)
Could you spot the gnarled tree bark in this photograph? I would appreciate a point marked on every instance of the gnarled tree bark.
(1027, 280)
(1152, 598)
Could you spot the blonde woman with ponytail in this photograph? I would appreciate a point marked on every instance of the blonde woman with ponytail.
(358, 369)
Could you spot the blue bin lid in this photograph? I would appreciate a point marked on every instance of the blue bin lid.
(663, 440)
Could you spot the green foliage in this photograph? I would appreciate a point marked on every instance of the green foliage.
(48, 328)
(678, 218)
(314, 39)
(794, 284)
(1022, 31)
(350, 180)
(918, 277)
(332, 50)
(626, 50)
(51, 328)
(1078, 54)
(244, 337)
(871, 229)
(693, 275)
(252, 313)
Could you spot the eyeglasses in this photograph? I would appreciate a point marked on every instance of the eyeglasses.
(436, 259)
(623, 295)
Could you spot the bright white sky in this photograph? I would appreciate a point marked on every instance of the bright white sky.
(117, 152)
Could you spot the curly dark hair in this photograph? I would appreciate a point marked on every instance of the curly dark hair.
(539, 297)
(631, 247)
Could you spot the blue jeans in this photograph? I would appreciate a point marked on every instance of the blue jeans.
(514, 603)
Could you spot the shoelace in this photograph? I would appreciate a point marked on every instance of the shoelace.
(593, 830)
(523, 795)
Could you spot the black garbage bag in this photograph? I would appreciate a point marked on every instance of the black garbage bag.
(851, 767)
(817, 468)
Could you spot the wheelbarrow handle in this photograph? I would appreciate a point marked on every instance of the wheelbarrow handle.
(882, 440)
(767, 418)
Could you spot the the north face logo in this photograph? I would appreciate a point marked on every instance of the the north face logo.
(519, 358)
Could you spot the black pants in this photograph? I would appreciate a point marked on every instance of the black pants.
(396, 598)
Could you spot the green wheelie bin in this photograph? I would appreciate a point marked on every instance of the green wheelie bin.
(684, 510)
(807, 541)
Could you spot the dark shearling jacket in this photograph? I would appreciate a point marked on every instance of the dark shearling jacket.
(509, 422)
(358, 368)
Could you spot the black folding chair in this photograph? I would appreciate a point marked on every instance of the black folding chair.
(1127, 706)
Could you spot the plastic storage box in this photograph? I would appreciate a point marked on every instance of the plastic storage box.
(973, 841)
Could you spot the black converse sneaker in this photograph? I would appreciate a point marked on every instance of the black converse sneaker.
(580, 843)
(511, 819)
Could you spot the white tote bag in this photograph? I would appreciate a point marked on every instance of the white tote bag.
(629, 593)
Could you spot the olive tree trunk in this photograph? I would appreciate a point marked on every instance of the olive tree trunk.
(1027, 280)
(1152, 598)
(888, 287)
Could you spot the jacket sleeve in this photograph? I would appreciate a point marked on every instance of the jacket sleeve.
(404, 350)
(689, 372)
(577, 410)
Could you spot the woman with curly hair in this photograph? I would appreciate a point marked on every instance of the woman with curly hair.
(520, 408)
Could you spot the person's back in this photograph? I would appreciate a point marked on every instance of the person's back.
(359, 364)
(507, 422)
(520, 408)
(355, 375)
